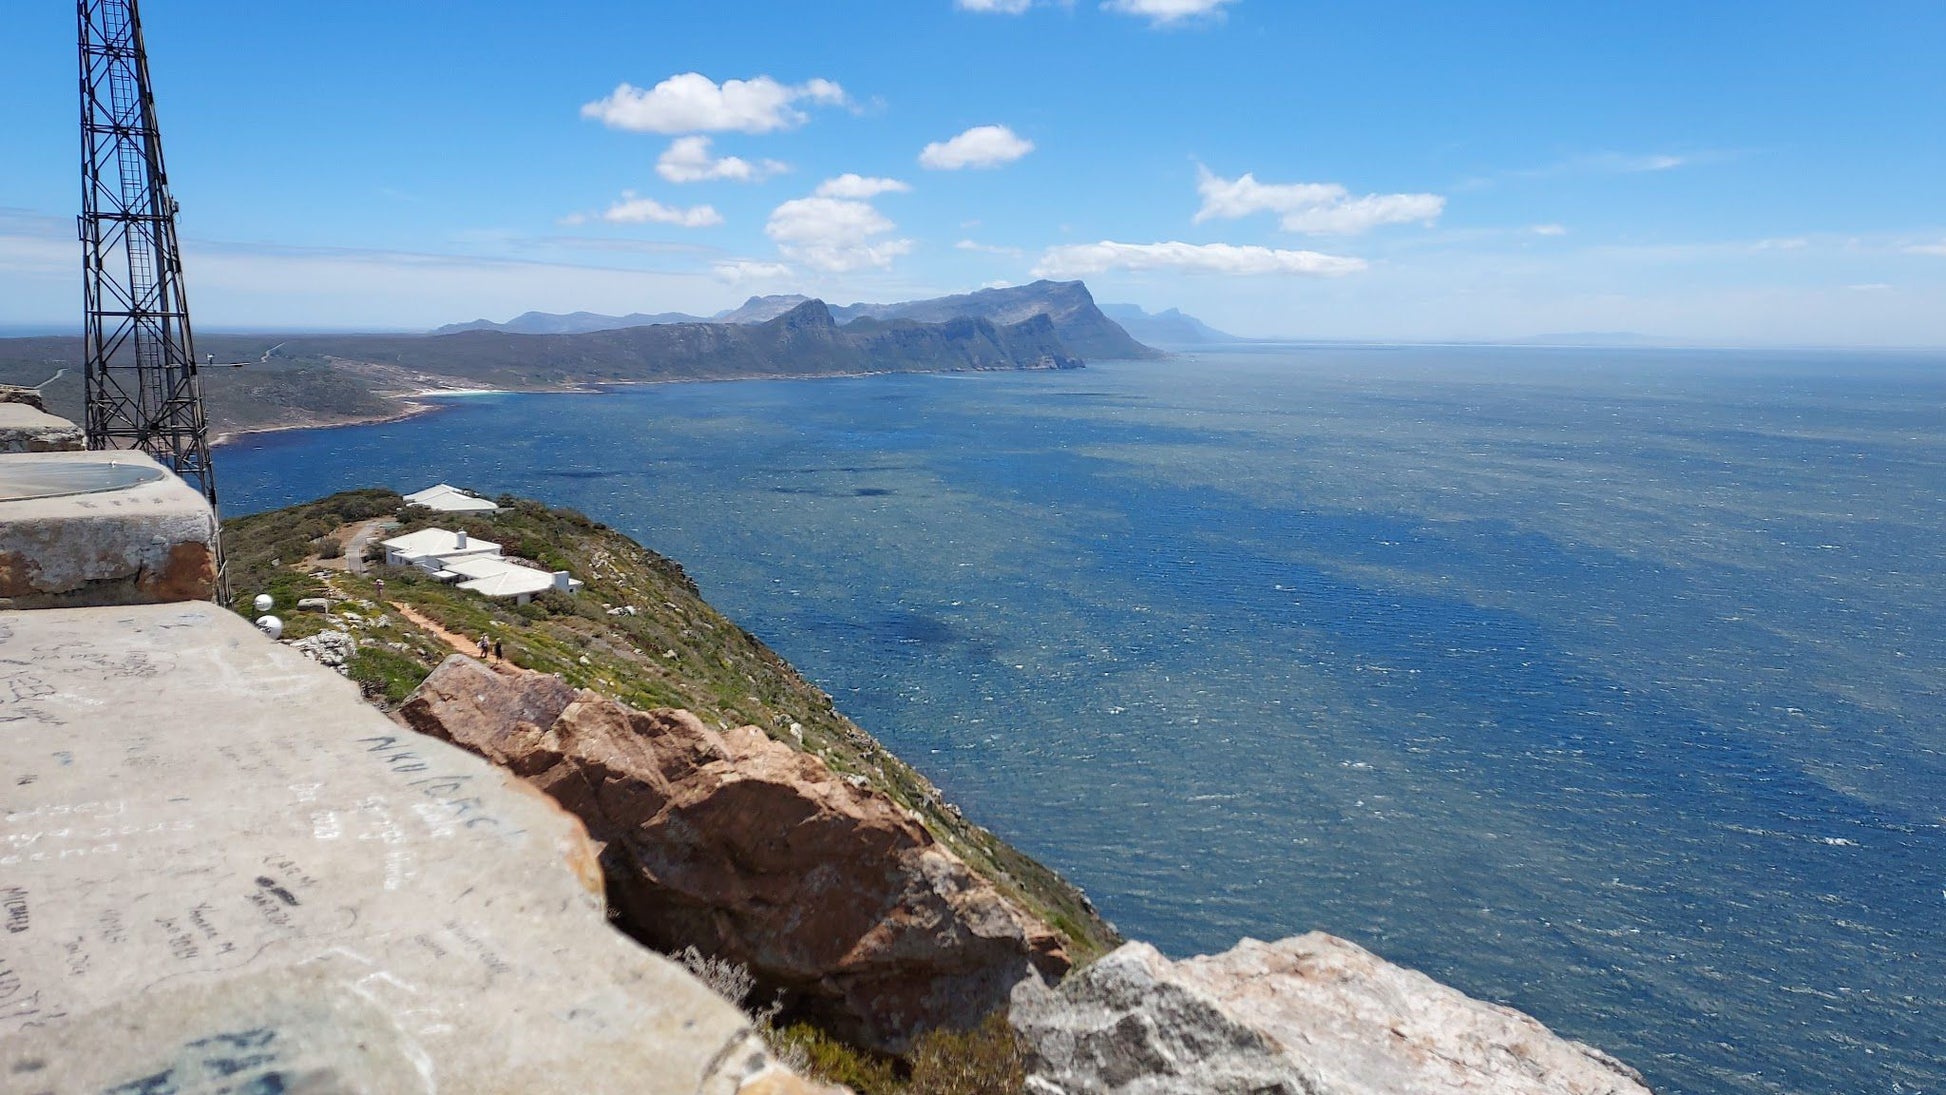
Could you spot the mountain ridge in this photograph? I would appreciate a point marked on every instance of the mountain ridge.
(1082, 324)
(1172, 327)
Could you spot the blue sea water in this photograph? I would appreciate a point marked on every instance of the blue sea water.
(1602, 684)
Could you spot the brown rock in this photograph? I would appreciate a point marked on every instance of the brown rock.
(755, 852)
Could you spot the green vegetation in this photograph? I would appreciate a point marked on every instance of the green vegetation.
(639, 632)
(385, 674)
(987, 1060)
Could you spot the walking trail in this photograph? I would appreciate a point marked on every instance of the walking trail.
(458, 642)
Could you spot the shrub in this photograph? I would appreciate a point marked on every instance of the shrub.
(987, 1060)
(383, 673)
(813, 1053)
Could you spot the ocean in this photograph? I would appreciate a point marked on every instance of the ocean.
(1603, 684)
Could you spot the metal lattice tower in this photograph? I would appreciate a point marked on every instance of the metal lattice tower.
(143, 391)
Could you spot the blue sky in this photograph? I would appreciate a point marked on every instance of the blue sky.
(1713, 173)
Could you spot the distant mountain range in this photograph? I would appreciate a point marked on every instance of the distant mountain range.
(317, 379)
(1083, 328)
(1170, 328)
(572, 323)
(803, 341)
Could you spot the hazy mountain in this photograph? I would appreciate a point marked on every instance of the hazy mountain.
(1081, 324)
(1170, 328)
(760, 309)
(1084, 330)
(572, 323)
(802, 342)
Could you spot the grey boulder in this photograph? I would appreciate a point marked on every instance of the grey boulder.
(1309, 1015)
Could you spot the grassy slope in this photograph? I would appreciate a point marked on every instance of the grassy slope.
(674, 651)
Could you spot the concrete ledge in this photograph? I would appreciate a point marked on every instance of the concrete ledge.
(148, 543)
(220, 868)
(24, 428)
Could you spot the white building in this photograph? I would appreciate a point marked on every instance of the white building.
(447, 498)
(433, 549)
(476, 565)
(504, 578)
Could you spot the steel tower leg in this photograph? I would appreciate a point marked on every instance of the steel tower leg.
(143, 391)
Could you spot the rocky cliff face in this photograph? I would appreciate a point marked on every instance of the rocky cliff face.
(1311, 1015)
(756, 852)
(1067, 304)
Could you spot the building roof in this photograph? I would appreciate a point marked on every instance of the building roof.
(484, 566)
(447, 498)
(438, 543)
(509, 581)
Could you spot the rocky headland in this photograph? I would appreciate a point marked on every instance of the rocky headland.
(269, 382)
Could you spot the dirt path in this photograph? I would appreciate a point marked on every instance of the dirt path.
(457, 642)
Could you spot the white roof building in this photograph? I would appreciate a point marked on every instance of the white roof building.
(476, 565)
(496, 577)
(447, 498)
(434, 549)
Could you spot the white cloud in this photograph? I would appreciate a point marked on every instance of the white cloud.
(633, 209)
(1926, 249)
(693, 103)
(981, 146)
(740, 271)
(1635, 165)
(1009, 7)
(1549, 230)
(834, 234)
(1075, 260)
(36, 254)
(860, 188)
(1312, 208)
(688, 160)
(1162, 13)
(987, 248)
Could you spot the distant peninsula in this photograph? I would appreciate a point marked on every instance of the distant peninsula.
(1085, 328)
(295, 381)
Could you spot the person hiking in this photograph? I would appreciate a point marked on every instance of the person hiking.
(499, 655)
(484, 645)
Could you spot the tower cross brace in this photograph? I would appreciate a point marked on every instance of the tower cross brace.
(143, 391)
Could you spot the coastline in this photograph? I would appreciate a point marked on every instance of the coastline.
(410, 403)
(407, 409)
(409, 406)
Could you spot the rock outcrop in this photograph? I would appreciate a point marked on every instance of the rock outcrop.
(330, 648)
(1310, 1015)
(754, 852)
